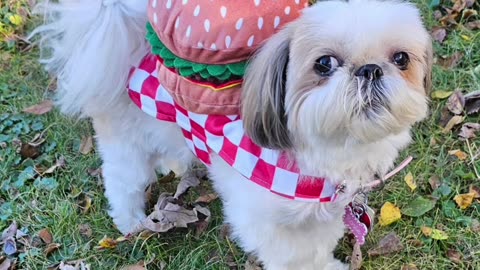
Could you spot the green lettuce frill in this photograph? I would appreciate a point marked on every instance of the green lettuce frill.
(190, 69)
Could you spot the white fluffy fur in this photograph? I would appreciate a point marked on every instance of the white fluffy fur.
(94, 43)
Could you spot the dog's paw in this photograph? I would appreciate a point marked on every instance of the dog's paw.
(129, 224)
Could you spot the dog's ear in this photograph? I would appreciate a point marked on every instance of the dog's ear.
(428, 68)
(263, 94)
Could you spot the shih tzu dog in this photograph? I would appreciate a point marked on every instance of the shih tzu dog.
(333, 92)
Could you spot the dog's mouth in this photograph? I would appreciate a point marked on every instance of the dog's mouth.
(371, 97)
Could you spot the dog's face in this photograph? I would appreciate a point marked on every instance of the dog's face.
(355, 70)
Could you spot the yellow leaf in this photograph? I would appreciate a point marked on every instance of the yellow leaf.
(464, 200)
(410, 182)
(441, 94)
(466, 38)
(434, 233)
(15, 19)
(439, 235)
(110, 243)
(458, 153)
(389, 213)
(427, 231)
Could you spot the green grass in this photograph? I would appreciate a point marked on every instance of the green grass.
(35, 207)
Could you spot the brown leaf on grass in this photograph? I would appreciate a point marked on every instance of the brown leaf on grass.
(85, 203)
(187, 181)
(468, 130)
(207, 198)
(168, 215)
(464, 200)
(451, 61)
(389, 244)
(85, 230)
(86, 145)
(201, 227)
(52, 247)
(439, 34)
(94, 172)
(46, 236)
(137, 266)
(357, 258)
(458, 153)
(6, 264)
(60, 163)
(475, 225)
(224, 231)
(457, 119)
(456, 102)
(29, 151)
(41, 108)
(10, 231)
(475, 25)
(472, 102)
(409, 266)
(475, 191)
(467, 13)
(37, 140)
(454, 256)
(434, 182)
(252, 263)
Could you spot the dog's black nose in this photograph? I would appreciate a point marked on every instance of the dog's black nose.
(370, 72)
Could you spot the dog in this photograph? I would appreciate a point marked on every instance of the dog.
(337, 89)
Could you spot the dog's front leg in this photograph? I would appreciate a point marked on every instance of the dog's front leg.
(127, 169)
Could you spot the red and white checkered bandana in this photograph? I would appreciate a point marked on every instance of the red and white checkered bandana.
(224, 135)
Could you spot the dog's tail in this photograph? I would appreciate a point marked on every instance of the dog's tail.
(90, 45)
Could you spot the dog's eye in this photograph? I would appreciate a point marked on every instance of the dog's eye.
(401, 59)
(326, 65)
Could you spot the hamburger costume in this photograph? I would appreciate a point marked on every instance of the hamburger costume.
(193, 76)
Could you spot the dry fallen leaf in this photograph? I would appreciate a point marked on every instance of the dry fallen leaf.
(457, 119)
(434, 233)
(109, 243)
(389, 244)
(187, 181)
(434, 182)
(168, 215)
(85, 230)
(439, 34)
(475, 191)
(389, 213)
(41, 108)
(464, 200)
(207, 198)
(468, 130)
(252, 263)
(475, 25)
(86, 145)
(46, 236)
(357, 258)
(410, 182)
(137, 266)
(6, 264)
(454, 256)
(85, 203)
(52, 247)
(456, 102)
(472, 102)
(29, 151)
(60, 163)
(409, 266)
(451, 61)
(458, 153)
(10, 231)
